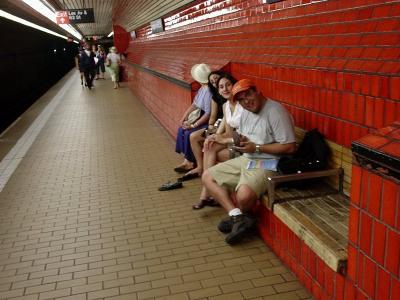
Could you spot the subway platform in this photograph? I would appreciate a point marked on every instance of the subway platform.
(81, 216)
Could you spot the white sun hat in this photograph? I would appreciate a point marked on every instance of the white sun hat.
(200, 73)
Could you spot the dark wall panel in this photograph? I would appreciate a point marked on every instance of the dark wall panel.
(29, 67)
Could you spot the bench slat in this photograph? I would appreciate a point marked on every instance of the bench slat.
(322, 218)
(319, 229)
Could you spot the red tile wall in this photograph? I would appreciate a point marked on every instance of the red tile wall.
(334, 64)
(166, 100)
(374, 235)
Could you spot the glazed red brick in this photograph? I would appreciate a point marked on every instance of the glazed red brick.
(349, 291)
(382, 285)
(375, 193)
(395, 290)
(339, 287)
(364, 188)
(379, 242)
(369, 280)
(354, 217)
(365, 232)
(390, 196)
(329, 287)
(360, 269)
(355, 191)
(392, 252)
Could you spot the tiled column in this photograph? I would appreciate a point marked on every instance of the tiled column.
(374, 227)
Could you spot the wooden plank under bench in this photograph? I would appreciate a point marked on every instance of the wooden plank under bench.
(322, 223)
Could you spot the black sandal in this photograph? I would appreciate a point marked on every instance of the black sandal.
(205, 202)
(182, 169)
(189, 176)
(170, 186)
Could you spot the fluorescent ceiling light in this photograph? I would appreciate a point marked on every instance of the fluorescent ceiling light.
(110, 34)
(42, 9)
(50, 14)
(30, 24)
(71, 30)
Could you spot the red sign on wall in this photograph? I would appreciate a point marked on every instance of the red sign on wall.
(62, 17)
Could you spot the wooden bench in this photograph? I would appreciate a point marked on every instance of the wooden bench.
(318, 215)
(322, 224)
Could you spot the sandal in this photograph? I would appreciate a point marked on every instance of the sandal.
(188, 176)
(170, 186)
(205, 202)
(182, 169)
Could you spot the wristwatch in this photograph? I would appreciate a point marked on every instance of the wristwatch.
(258, 149)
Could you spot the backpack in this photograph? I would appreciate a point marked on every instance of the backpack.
(312, 155)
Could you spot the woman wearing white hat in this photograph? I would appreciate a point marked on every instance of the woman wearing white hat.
(201, 104)
(113, 61)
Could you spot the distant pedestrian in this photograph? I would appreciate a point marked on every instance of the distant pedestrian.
(78, 64)
(113, 62)
(100, 68)
(88, 65)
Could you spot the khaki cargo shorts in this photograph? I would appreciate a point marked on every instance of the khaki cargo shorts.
(233, 173)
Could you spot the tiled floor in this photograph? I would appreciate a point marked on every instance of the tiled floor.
(81, 216)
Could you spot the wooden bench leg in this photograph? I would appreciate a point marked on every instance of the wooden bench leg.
(271, 193)
(341, 179)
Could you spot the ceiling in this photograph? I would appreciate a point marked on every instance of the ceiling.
(130, 14)
(20, 9)
(102, 15)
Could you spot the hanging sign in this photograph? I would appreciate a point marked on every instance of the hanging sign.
(62, 17)
(157, 26)
(84, 15)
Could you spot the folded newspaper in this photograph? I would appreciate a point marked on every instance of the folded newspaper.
(266, 164)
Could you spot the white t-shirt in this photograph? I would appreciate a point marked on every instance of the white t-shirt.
(273, 124)
(114, 58)
(232, 119)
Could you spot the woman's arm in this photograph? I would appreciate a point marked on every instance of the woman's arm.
(186, 113)
(221, 128)
(228, 131)
(203, 120)
(213, 115)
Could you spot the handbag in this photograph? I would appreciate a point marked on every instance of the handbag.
(194, 116)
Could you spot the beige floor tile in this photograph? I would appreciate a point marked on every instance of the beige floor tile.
(81, 217)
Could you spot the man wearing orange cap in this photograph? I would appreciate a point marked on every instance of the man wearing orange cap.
(266, 133)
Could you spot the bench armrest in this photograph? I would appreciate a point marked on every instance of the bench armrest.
(273, 181)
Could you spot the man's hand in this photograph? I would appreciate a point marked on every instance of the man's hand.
(246, 147)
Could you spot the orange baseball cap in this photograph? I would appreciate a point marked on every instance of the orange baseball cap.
(241, 86)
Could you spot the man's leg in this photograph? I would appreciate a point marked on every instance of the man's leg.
(246, 198)
(86, 74)
(219, 193)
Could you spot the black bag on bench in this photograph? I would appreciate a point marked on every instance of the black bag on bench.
(312, 155)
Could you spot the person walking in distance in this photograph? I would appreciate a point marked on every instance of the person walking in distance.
(88, 65)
